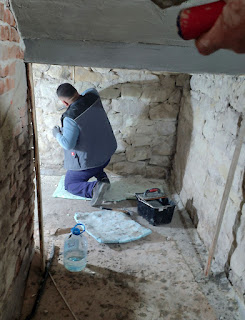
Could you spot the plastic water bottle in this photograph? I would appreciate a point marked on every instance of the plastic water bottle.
(75, 249)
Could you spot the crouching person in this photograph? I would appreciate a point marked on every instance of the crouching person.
(88, 141)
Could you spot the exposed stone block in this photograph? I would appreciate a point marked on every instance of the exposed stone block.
(118, 157)
(108, 76)
(61, 72)
(167, 81)
(88, 75)
(130, 107)
(183, 80)
(131, 91)
(136, 75)
(175, 97)
(140, 140)
(134, 154)
(156, 93)
(116, 119)
(127, 134)
(165, 128)
(126, 168)
(121, 146)
(156, 172)
(110, 92)
(164, 111)
(130, 121)
(166, 147)
(146, 130)
(106, 105)
(82, 86)
(39, 70)
(162, 161)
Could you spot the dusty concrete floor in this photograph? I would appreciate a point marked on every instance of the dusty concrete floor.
(155, 278)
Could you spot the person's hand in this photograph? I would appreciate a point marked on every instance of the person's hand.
(228, 31)
(56, 130)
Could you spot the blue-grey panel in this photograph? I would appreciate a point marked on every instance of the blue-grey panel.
(132, 56)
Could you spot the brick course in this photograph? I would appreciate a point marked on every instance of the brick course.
(16, 168)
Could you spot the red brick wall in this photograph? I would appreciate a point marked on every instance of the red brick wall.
(16, 168)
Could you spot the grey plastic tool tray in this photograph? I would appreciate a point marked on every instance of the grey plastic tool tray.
(158, 211)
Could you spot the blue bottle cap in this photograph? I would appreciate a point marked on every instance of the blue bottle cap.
(77, 231)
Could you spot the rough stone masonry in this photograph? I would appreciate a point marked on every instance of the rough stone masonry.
(148, 110)
(16, 168)
(209, 120)
(142, 107)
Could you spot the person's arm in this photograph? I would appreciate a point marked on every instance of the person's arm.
(69, 135)
(228, 31)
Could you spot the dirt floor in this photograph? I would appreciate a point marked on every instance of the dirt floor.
(159, 277)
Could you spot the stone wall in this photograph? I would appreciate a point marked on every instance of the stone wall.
(208, 123)
(142, 107)
(16, 169)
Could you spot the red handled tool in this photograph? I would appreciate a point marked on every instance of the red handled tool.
(193, 22)
(153, 190)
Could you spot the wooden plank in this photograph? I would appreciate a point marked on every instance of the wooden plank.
(226, 193)
(37, 162)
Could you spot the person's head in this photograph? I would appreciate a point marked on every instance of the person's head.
(67, 93)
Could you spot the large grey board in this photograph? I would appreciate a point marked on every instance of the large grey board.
(114, 33)
(127, 21)
(132, 56)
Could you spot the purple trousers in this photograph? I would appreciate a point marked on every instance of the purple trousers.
(76, 182)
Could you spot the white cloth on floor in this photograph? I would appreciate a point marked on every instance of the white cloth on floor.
(108, 226)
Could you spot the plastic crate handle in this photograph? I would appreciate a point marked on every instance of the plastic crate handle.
(152, 190)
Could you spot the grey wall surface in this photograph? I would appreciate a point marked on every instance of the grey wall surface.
(208, 123)
(117, 34)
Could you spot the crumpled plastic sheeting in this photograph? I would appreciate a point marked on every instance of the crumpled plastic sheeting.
(111, 226)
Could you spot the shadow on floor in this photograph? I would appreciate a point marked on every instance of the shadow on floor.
(149, 279)
(94, 293)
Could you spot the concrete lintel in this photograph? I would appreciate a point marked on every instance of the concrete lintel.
(132, 56)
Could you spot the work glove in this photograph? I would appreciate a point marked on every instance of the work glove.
(56, 130)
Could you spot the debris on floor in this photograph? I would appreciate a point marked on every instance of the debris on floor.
(158, 277)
